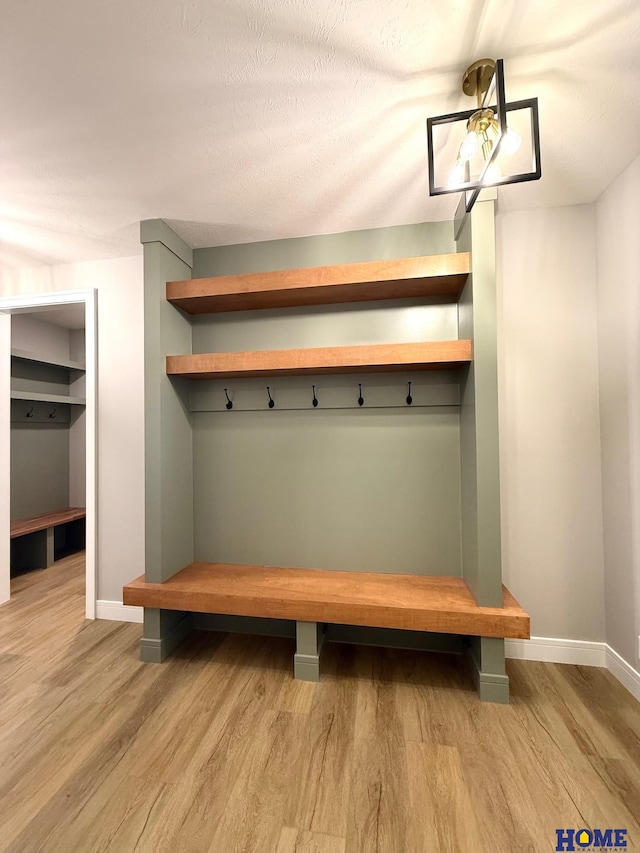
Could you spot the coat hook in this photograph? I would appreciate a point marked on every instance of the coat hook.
(229, 403)
(30, 412)
(315, 399)
(271, 401)
(360, 398)
(409, 397)
(53, 413)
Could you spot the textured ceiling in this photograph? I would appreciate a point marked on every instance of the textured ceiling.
(242, 120)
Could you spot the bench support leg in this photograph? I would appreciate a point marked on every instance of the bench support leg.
(309, 642)
(50, 546)
(163, 631)
(487, 660)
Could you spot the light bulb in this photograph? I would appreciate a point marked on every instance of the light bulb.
(469, 147)
(492, 174)
(510, 142)
(457, 175)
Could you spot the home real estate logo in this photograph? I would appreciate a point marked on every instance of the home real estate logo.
(587, 839)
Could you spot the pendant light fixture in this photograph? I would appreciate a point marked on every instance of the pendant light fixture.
(484, 154)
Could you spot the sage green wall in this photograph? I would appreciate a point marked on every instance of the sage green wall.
(356, 490)
(39, 469)
(395, 321)
(353, 489)
(168, 435)
(398, 241)
(481, 543)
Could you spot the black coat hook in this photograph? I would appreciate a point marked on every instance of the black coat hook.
(229, 404)
(409, 397)
(53, 413)
(315, 399)
(360, 398)
(271, 400)
(30, 412)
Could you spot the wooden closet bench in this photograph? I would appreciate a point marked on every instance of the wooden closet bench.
(314, 597)
(36, 550)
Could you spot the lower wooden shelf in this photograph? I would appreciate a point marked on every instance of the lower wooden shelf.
(411, 602)
(430, 355)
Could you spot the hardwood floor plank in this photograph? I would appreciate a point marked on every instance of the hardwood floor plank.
(438, 791)
(296, 696)
(112, 819)
(378, 812)
(253, 817)
(295, 841)
(319, 802)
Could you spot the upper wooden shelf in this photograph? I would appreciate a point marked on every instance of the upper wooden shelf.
(380, 358)
(433, 275)
(410, 602)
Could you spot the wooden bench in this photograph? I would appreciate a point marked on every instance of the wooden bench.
(36, 535)
(315, 597)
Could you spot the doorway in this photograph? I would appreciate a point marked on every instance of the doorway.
(48, 370)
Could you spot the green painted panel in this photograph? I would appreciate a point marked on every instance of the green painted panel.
(168, 447)
(399, 241)
(479, 458)
(352, 490)
(39, 469)
(399, 321)
(157, 231)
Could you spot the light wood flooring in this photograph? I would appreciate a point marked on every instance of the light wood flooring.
(220, 750)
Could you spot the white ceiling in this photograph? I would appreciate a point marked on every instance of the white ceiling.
(242, 120)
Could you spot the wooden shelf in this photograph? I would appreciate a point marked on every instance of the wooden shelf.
(411, 602)
(68, 364)
(434, 275)
(380, 358)
(41, 397)
(22, 526)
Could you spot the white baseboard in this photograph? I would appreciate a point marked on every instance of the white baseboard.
(580, 652)
(551, 650)
(116, 611)
(624, 672)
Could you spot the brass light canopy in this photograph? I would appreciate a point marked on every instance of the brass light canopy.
(477, 78)
(487, 136)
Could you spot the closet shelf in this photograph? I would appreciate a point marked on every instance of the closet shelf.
(422, 277)
(68, 364)
(379, 358)
(410, 602)
(38, 397)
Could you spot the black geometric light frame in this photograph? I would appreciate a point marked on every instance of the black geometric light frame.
(472, 189)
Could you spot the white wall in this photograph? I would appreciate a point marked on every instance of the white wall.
(5, 459)
(120, 404)
(549, 420)
(618, 274)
